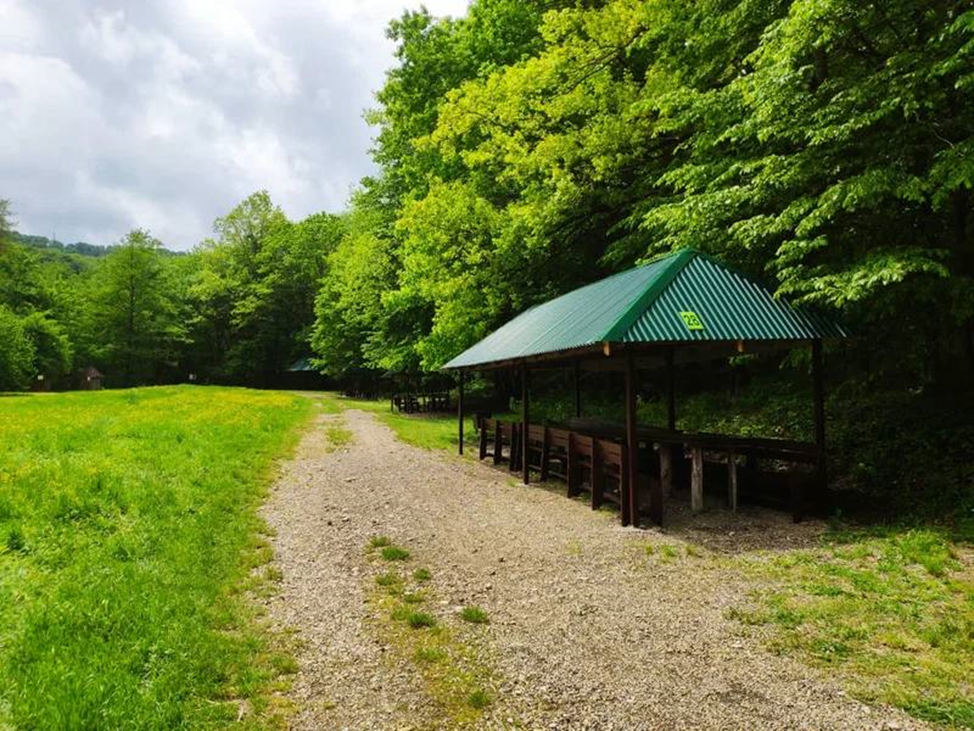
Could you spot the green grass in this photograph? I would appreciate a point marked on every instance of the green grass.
(420, 620)
(668, 553)
(422, 575)
(128, 534)
(388, 580)
(474, 615)
(478, 699)
(891, 612)
(394, 553)
(379, 542)
(337, 436)
(429, 655)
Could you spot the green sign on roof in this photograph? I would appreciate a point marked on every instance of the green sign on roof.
(691, 320)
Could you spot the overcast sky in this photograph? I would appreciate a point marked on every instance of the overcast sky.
(163, 114)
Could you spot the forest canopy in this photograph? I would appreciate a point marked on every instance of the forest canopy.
(823, 146)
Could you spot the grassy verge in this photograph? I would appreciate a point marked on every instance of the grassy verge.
(891, 612)
(129, 543)
(446, 654)
(429, 431)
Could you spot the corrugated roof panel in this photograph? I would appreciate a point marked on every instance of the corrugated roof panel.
(648, 305)
(729, 305)
(581, 317)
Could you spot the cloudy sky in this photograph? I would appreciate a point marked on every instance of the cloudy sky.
(163, 114)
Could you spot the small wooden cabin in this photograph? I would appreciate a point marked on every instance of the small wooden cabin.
(91, 379)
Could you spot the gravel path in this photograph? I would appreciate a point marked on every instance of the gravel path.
(589, 629)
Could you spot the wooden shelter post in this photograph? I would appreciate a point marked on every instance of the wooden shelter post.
(818, 394)
(525, 415)
(577, 381)
(629, 493)
(670, 391)
(460, 412)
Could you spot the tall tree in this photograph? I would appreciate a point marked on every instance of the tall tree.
(256, 288)
(138, 321)
(6, 223)
(16, 352)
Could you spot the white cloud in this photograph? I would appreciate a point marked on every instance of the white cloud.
(165, 114)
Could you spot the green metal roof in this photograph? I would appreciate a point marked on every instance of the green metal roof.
(303, 365)
(684, 297)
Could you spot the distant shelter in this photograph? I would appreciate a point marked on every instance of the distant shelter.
(91, 379)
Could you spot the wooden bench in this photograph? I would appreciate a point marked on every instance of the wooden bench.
(611, 473)
(581, 463)
(488, 438)
(556, 460)
(507, 435)
(537, 449)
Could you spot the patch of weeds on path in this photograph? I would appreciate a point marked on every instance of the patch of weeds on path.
(658, 553)
(891, 612)
(474, 615)
(394, 553)
(337, 435)
(478, 699)
(445, 653)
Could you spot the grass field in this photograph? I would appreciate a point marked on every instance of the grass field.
(128, 539)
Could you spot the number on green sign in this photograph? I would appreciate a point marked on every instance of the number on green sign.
(691, 320)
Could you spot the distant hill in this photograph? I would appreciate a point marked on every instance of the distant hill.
(81, 248)
(42, 242)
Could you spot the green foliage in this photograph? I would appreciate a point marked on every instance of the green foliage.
(818, 144)
(138, 321)
(16, 352)
(128, 536)
(254, 295)
(239, 308)
(6, 224)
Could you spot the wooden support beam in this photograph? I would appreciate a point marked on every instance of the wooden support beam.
(577, 378)
(629, 493)
(696, 479)
(818, 394)
(670, 391)
(666, 469)
(661, 490)
(525, 416)
(732, 480)
(460, 412)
